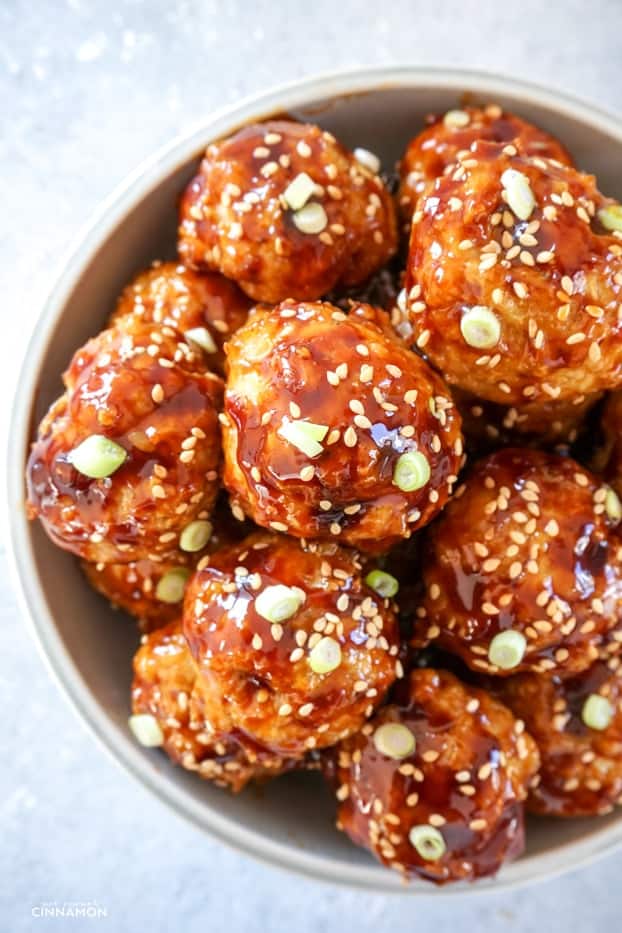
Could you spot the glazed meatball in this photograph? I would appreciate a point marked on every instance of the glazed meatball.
(153, 591)
(125, 466)
(332, 428)
(487, 426)
(295, 650)
(524, 570)
(206, 309)
(608, 459)
(286, 212)
(433, 785)
(436, 148)
(514, 283)
(168, 711)
(577, 724)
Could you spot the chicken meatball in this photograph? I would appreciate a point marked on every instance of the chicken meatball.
(433, 785)
(153, 591)
(168, 711)
(333, 429)
(125, 465)
(524, 570)
(487, 426)
(294, 648)
(577, 724)
(514, 280)
(206, 309)
(286, 212)
(436, 148)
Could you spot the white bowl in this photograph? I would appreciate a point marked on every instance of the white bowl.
(88, 646)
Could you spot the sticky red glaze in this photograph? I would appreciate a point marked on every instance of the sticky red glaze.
(166, 685)
(169, 294)
(487, 426)
(258, 679)
(311, 362)
(436, 148)
(133, 586)
(467, 776)
(140, 510)
(526, 546)
(581, 771)
(554, 282)
(234, 219)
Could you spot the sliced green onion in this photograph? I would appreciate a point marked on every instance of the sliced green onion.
(412, 471)
(171, 586)
(146, 729)
(428, 842)
(305, 436)
(195, 536)
(394, 740)
(311, 218)
(480, 327)
(597, 712)
(382, 583)
(507, 649)
(299, 191)
(611, 217)
(97, 456)
(202, 337)
(325, 656)
(519, 195)
(369, 159)
(278, 603)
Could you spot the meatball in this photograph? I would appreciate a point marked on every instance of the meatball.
(524, 570)
(332, 428)
(153, 591)
(433, 785)
(514, 282)
(206, 309)
(487, 426)
(125, 466)
(609, 456)
(168, 711)
(436, 148)
(287, 212)
(577, 724)
(294, 649)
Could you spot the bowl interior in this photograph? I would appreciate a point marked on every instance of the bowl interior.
(289, 821)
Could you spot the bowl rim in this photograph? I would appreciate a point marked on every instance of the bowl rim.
(124, 198)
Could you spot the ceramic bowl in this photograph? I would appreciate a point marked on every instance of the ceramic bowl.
(89, 647)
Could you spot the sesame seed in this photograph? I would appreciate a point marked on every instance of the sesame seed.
(277, 526)
(477, 825)
(350, 437)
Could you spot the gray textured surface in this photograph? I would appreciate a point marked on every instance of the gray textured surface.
(87, 89)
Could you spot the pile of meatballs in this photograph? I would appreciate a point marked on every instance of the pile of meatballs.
(353, 462)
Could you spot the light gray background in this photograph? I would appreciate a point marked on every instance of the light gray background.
(87, 89)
